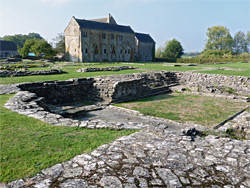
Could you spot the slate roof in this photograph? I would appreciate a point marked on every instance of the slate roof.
(7, 46)
(103, 26)
(144, 38)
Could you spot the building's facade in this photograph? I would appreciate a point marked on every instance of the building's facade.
(8, 49)
(104, 40)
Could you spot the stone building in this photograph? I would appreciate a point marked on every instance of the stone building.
(104, 40)
(8, 49)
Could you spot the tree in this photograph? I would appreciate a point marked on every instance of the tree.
(159, 52)
(37, 46)
(173, 49)
(248, 41)
(240, 43)
(219, 38)
(26, 49)
(42, 47)
(59, 43)
(20, 39)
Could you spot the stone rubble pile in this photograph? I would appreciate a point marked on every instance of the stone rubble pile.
(6, 73)
(95, 69)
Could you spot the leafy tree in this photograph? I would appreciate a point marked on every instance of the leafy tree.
(173, 49)
(218, 38)
(42, 47)
(20, 39)
(248, 41)
(59, 43)
(37, 46)
(240, 43)
(26, 49)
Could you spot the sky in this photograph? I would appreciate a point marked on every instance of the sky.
(185, 20)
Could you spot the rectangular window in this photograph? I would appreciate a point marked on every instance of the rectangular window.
(86, 51)
(104, 35)
(112, 36)
(125, 51)
(128, 51)
(104, 51)
(121, 51)
(120, 37)
(85, 34)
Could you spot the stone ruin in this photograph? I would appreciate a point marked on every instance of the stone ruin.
(160, 155)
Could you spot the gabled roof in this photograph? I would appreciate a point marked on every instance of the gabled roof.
(144, 38)
(7, 46)
(103, 26)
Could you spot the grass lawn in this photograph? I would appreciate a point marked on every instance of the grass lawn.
(71, 69)
(207, 111)
(29, 145)
(71, 74)
(239, 65)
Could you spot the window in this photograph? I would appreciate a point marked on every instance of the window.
(86, 51)
(85, 34)
(113, 50)
(96, 50)
(128, 51)
(125, 51)
(120, 37)
(104, 51)
(121, 51)
(104, 35)
(112, 36)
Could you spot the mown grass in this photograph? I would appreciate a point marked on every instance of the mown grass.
(207, 111)
(71, 74)
(71, 69)
(29, 145)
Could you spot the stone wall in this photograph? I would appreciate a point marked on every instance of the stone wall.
(105, 89)
(145, 51)
(119, 88)
(95, 69)
(6, 73)
(214, 83)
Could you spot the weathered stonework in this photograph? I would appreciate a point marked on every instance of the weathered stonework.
(6, 73)
(96, 69)
(160, 155)
(214, 83)
(105, 89)
(105, 40)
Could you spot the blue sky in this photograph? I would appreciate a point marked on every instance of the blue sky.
(185, 20)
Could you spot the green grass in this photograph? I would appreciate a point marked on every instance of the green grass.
(207, 111)
(148, 66)
(71, 74)
(29, 145)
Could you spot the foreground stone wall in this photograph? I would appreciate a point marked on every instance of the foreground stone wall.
(215, 83)
(103, 89)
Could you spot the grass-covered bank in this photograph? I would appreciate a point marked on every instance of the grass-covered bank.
(207, 111)
(29, 145)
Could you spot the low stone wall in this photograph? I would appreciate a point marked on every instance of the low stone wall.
(214, 83)
(6, 73)
(105, 89)
(95, 69)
